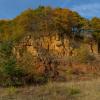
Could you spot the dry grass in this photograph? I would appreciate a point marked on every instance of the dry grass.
(82, 90)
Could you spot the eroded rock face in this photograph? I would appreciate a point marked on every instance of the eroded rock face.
(26, 45)
(52, 44)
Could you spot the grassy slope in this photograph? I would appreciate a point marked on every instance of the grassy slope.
(83, 90)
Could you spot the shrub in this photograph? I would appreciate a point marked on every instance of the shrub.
(6, 48)
(11, 90)
(84, 56)
(73, 91)
(33, 69)
(11, 72)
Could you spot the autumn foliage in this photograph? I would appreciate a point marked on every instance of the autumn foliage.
(40, 22)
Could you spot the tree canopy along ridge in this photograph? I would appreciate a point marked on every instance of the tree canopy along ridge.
(47, 20)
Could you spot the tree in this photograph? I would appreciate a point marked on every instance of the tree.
(95, 24)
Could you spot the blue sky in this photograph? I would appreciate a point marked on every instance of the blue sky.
(86, 8)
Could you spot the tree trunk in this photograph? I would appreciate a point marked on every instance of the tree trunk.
(99, 46)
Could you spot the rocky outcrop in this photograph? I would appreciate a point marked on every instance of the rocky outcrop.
(53, 44)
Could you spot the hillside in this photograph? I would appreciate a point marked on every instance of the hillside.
(48, 44)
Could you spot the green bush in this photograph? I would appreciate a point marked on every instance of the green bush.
(16, 72)
(6, 48)
(11, 72)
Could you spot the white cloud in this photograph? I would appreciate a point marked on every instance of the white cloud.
(88, 10)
